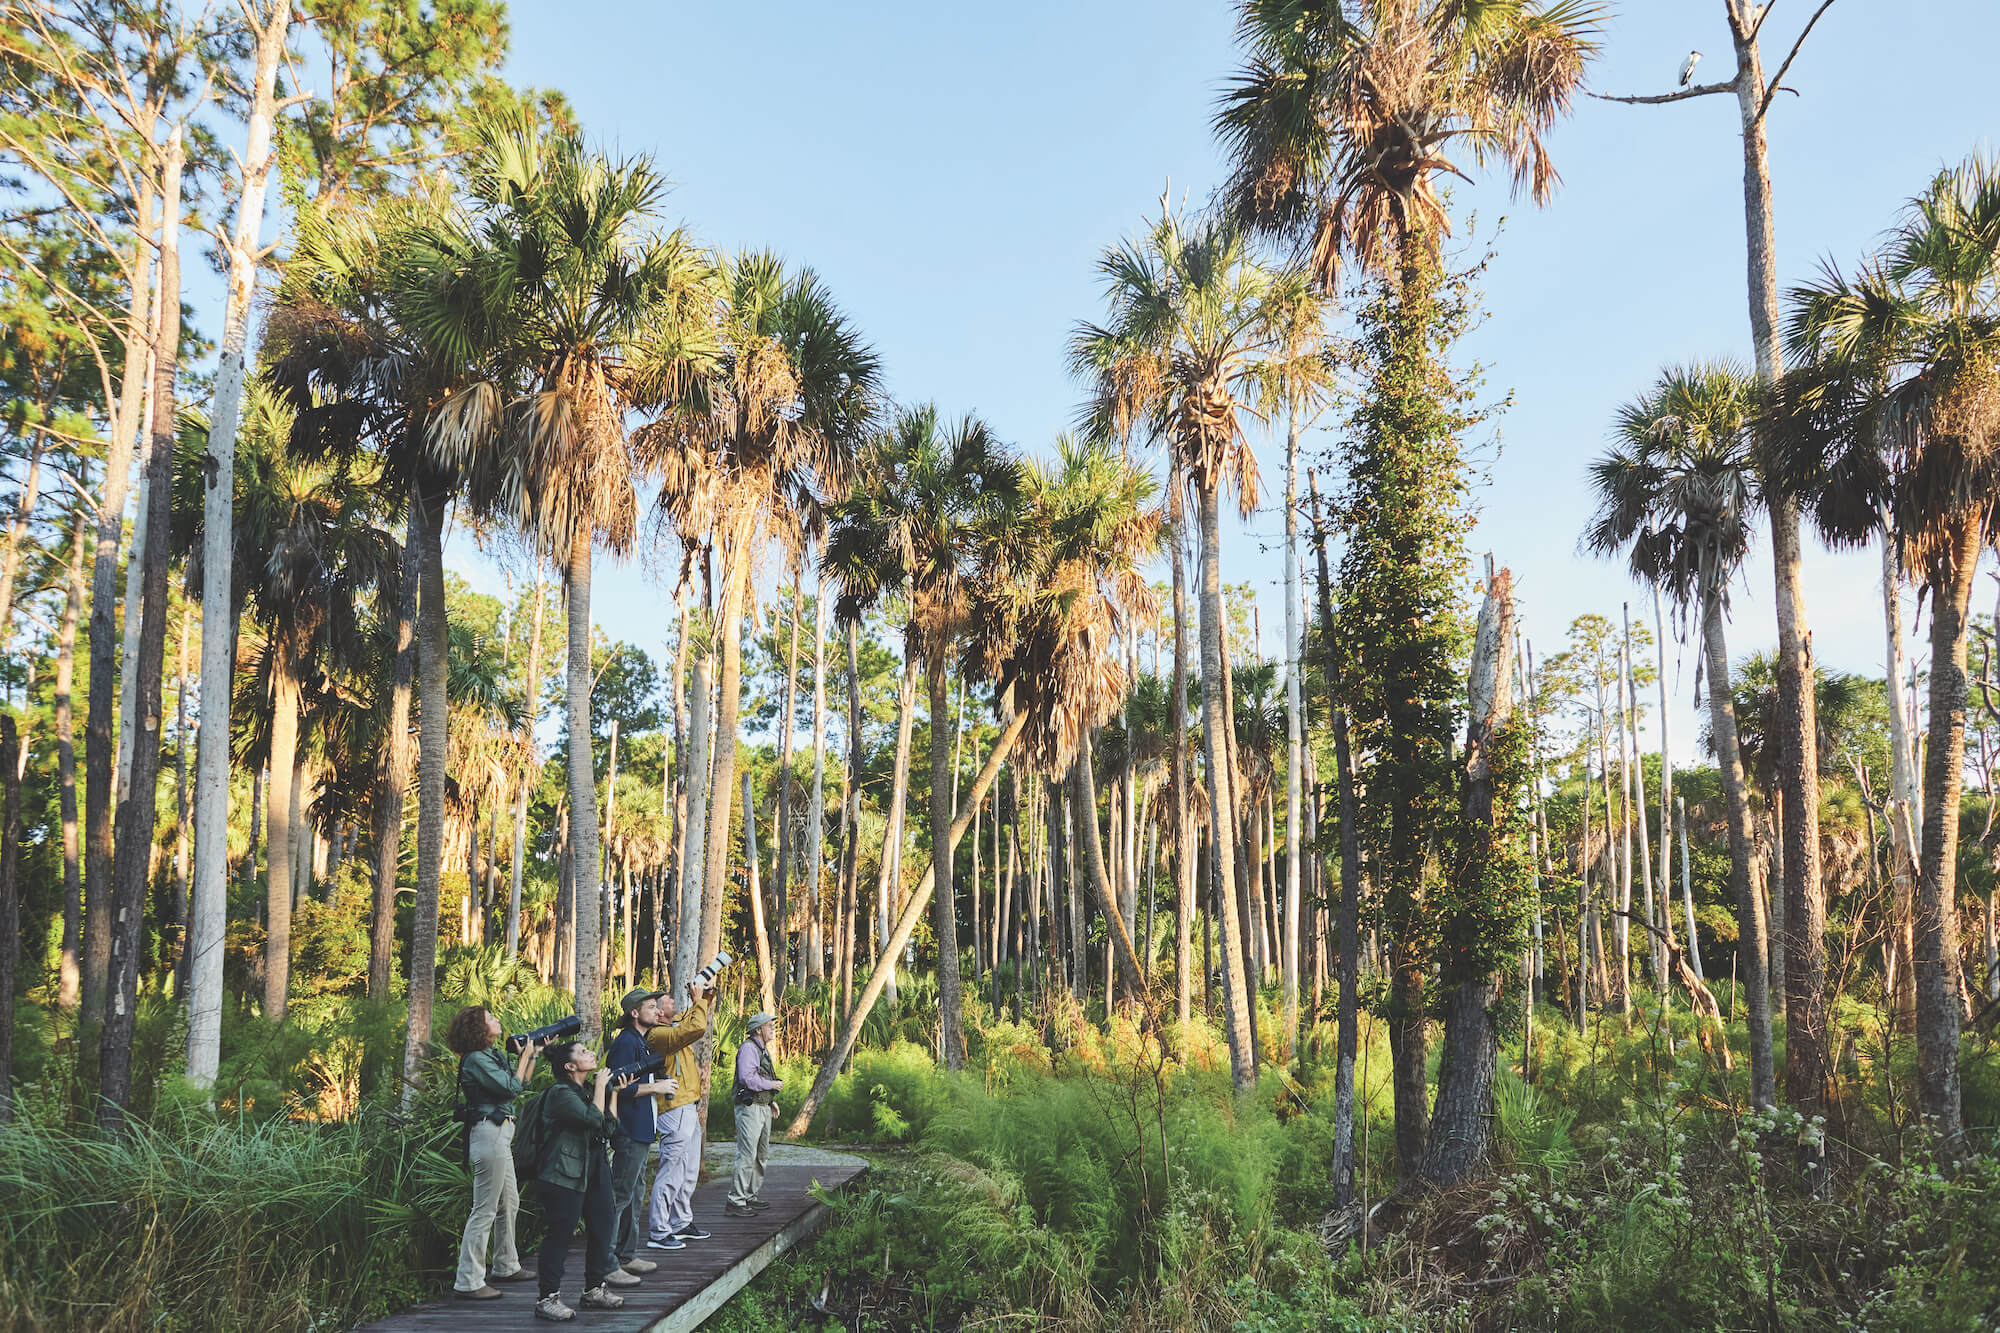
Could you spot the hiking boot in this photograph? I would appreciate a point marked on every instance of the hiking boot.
(551, 1307)
(758, 1204)
(669, 1243)
(597, 1298)
(618, 1277)
(639, 1265)
(481, 1293)
(739, 1210)
(693, 1233)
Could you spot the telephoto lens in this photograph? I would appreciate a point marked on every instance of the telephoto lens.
(706, 977)
(638, 1069)
(562, 1027)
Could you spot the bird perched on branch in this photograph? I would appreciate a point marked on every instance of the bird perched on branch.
(1687, 69)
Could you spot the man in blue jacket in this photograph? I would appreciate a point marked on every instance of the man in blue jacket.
(634, 1139)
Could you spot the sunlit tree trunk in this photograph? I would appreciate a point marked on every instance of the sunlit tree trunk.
(433, 740)
(10, 902)
(694, 854)
(218, 638)
(69, 976)
(1184, 841)
(278, 897)
(531, 708)
(584, 868)
(781, 870)
(811, 966)
(944, 914)
(1221, 798)
(887, 883)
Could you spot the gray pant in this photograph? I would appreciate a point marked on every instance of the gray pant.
(628, 1194)
(495, 1200)
(680, 1164)
(753, 1145)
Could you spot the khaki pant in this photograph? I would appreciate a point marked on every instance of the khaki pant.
(495, 1201)
(753, 1145)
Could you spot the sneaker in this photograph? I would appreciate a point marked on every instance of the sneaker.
(518, 1275)
(551, 1307)
(481, 1293)
(739, 1210)
(597, 1298)
(692, 1233)
(670, 1243)
(638, 1265)
(618, 1277)
(759, 1204)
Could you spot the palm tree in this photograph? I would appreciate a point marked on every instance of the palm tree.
(1676, 495)
(1897, 410)
(763, 437)
(933, 496)
(1196, 334)
(353, 348)
(571, 315)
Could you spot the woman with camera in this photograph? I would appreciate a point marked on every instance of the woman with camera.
(487, 1089)
(574, 1175)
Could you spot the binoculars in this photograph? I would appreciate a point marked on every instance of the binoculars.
(706, 977)
(640, 1068)
(562, 1027)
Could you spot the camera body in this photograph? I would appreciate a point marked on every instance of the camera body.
(562, 1027)
(651, 1063)
(706, 977)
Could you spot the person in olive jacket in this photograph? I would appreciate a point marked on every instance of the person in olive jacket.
(487, 1089)
(574, 1178)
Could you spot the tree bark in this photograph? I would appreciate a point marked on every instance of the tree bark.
(1461, 1123)
(1750, 942)
(944, 914)
(1902, 807)
(1184, 840)
(10, 902)
(766, 982)
(589, 887)
(1084, 782)
(728, 702)
(781, 870)
(69, 976)
(888, 882)
(278, 896)
(218, 638)
(694, 856)
(1221, 802)
(138, 812)
(393, 775)
(811, 964)
(433, 740)
(850, 818)
(1937, 980)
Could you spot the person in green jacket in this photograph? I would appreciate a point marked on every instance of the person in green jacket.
(574, 1180)
(487, 1089)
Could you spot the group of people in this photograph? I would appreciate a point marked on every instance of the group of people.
(584, 1143)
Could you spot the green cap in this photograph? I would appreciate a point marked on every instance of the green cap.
(759, 1019)
(637, 996)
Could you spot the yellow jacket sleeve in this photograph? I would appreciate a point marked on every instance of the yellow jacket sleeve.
(686, 1030)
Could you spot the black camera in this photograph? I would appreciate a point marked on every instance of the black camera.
(562, 1027)
(638, 1069)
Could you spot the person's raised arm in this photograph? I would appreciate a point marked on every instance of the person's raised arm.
(524, 1065)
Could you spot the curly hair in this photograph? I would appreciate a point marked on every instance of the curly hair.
(468, 1031)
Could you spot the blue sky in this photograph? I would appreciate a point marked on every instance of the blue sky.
(953, 172)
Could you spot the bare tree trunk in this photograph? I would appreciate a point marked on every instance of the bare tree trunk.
(1083, 779)
(766, 981)
(99, 744)
(392, 780)
(1294, 734)
(69, 977)
(728, 702)
(10, 548)
(1184, 840)
(181, 830)
(1937, 977)
(1750, 945)
(944, 914)
(811, 965)
(781, 872)
(218, 637)
(138, 812)
(1221, 798)
(583, 787)
(1901, 808)
(694, 855)
(887, 884)
(278, 896)
(850, 818)
(433, 740)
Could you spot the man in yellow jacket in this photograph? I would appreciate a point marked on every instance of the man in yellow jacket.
(671, 1222)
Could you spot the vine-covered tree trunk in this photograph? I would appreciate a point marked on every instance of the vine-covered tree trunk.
(1482, 927)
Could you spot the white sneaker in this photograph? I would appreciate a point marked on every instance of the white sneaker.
(599, 1298)
(551, 1307)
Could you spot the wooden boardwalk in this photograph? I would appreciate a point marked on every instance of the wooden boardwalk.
(689, 1285)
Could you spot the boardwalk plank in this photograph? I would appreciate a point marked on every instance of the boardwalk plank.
(689, 1284)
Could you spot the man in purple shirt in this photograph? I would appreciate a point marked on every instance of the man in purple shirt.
(757, 1085)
